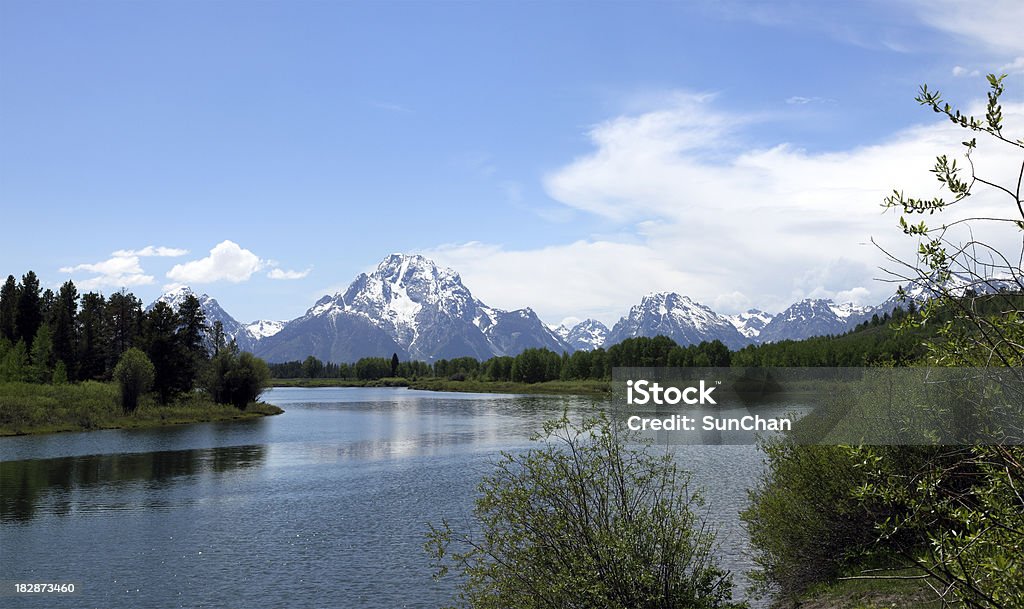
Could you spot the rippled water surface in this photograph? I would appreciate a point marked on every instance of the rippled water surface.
(323, 506)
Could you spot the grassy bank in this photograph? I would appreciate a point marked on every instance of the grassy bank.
(587, 388)
(27, 408)
(868, 594)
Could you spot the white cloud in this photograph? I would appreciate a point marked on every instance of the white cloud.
(995, 25)
(117, 271)
(730, 227)
(150, 250)
(1014, 67)
(959, 71)
(800, 100)
(563, 280)
(282, 274)
(227, 262)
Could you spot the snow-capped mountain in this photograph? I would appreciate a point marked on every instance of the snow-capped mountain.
(233, 330)
(587, 335)
(412, 307)
(263, 328)
(957, 285)
(677, 317)
(751, 322)
(813, 317)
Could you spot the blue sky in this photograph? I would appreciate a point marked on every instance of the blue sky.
(565, 156)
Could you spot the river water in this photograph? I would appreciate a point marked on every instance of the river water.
(324, 506)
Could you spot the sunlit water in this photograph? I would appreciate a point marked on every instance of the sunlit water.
(323, 506)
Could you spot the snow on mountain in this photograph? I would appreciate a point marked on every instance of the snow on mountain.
(681, 319)
(958, 285)
(587, 335)
(751, 322)
(233, 330)
(813, 317)
(263, 328)
(413, 307)
(847, 310)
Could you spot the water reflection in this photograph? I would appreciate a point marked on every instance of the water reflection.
(66, 485)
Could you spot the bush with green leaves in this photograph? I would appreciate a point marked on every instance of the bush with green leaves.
(589, 519)
(134, 374)
(236, 378)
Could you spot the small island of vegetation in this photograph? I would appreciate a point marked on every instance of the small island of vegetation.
(70, 363)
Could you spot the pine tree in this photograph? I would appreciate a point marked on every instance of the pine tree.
(192, 333)
(29, 315)
(124, 315)
(162, 346)
(219, 341)
(65, 328)
(94, 336)
(42, 355)
(14, 365)
(8, 309)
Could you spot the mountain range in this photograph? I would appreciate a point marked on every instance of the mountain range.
(410, 306)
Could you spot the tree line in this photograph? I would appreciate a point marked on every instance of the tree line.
(62, 337)
(531, 366)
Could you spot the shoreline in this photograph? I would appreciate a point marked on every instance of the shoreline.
(577, 388)
(168, 420)
(28, 409)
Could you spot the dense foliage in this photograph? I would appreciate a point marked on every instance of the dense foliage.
(236, 378)
(951, 515)
(587, 520)
(67, 337)
(134, 374)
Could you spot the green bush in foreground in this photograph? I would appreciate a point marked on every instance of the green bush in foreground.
(584, 521)
(134, 374)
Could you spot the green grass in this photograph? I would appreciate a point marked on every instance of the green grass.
(870, 594)
(588, 388)
(27, 408)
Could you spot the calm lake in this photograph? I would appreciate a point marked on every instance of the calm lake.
(323, 506)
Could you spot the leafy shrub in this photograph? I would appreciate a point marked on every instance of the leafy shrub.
(584, 521)
(236, 378)
(134, 374)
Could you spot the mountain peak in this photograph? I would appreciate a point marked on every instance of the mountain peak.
(587, 335)
(680, 318)
(411, 302)
(400, 268)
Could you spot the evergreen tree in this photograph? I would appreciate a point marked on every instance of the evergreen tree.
(219, 340)
(65, 328)
(47, 302)
(124, 315)
(42, 355)
(192, 337)
(14, 365)
(8, 310)
(162, 346)
(93, 343)
(394, 364)
(29, 315)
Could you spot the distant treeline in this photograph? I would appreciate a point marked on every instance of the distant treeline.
(891, 338)
(530, 366)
